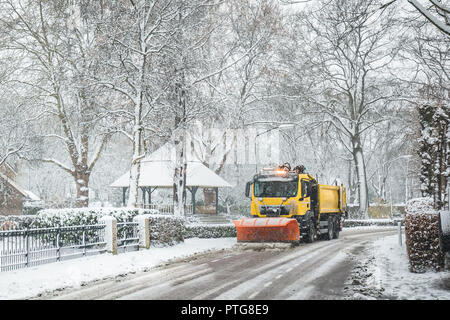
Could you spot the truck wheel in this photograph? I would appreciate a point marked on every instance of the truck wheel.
(337, 228)
(311, 235)
(330, 232)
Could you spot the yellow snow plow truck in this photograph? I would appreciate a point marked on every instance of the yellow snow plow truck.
(291, 206)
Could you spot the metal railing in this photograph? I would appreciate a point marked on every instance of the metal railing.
(127, 235)
(164, 208)
(32, 247)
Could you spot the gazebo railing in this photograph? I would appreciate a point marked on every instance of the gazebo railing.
(164, 208)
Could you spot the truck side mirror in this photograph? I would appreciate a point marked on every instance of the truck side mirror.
(247, 189)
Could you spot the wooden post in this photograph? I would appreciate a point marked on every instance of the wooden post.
(143, 189)
(150, 191)
(124, 191)
(217, 200)
(193, 191)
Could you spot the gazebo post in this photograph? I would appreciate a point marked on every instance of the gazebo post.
(193, 191)
(150, 191)
(143, 189)
(217, 200)
(124, 191)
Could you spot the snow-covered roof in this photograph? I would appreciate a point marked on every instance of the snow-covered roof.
(32, 196)
(14, 185)
(157, 170)
(26, 193)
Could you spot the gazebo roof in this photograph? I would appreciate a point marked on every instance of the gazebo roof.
(157, 171)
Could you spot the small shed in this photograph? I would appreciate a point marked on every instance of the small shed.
(157, 171)
(13, 197)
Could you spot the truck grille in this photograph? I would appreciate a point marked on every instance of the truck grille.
(274, 211)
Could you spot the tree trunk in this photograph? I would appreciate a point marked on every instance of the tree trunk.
(82, 183)
(135, 171)
(138, 144)
(363, 194)
(138, 153)
(179, 179)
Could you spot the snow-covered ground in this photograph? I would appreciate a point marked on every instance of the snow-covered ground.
(384, 274)
(381, 273)
(29, 282)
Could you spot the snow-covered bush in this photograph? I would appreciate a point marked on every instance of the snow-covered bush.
(85, 216)
(166, 230)
(210, 231)
(17, 222)
(348, 223)
(422, 236)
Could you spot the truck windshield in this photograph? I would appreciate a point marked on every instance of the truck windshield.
(275, 188)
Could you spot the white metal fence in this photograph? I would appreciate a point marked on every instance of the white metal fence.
(127, 236)
(164, 208)
(32, 247)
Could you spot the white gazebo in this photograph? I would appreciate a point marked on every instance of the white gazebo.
(157, 171)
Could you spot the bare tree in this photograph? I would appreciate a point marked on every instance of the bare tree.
(345, 47)
(139, 34)
(436, 12)
(59, 50)
(428, 52)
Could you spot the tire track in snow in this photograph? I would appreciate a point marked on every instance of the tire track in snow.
(239, 275)
(266, 274)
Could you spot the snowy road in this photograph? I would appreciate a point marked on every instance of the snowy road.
(309, 271)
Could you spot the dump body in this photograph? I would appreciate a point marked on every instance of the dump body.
(331, 198)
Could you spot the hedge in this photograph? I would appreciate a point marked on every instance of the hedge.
(79, 216)
(17, 222)
(166, 230)
(348, 223)
(210, 231)
(422, 236)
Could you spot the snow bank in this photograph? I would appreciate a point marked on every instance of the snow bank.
(390, 272)
(29, 282)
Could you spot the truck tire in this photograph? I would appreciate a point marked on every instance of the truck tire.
(337, 229)
(330, 232)
(444, 230)
(311, 234)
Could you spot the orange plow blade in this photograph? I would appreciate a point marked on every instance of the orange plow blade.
(267, 230)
